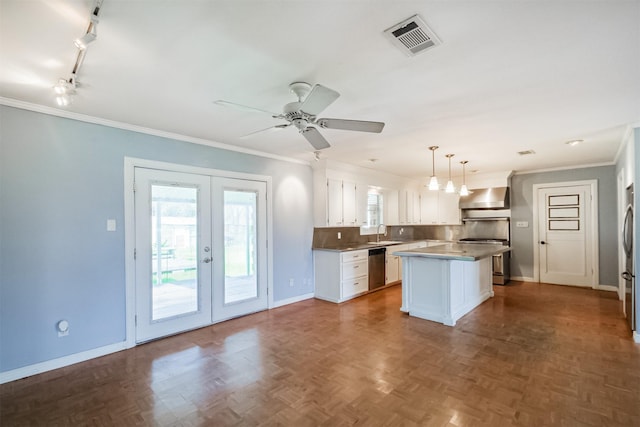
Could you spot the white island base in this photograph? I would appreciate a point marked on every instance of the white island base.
(444, 290)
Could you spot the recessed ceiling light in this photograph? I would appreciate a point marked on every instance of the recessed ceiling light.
(526, 152)
(574, 142)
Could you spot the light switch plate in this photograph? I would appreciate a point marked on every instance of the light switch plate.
(522, 224)
(111, 225)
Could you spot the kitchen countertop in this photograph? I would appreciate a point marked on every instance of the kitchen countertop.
(456, 251)
(372, 245)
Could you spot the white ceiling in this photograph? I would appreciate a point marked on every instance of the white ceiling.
(509, 75)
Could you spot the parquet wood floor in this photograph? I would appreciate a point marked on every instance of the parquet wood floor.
(534, 355)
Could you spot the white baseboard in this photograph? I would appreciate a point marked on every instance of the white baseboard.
(636, 337)
(61, 362)
(609, 288)
(522, 279)
(292, 300)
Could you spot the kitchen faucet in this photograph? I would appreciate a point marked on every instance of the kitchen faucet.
(378, 232)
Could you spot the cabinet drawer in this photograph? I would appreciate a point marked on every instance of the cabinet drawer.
(354, 256)
(354, 286)
(355, 269)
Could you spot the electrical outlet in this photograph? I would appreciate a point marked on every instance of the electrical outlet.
(339, 235)
(291, 281)
(522, 224)
(63, 328)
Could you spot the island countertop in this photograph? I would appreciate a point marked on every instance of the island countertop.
(456, 251)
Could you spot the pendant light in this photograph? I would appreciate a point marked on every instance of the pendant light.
(433, 182)
(449, 188)
(464, 191)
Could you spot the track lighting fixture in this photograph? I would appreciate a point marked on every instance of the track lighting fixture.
(65, 89)
(464, 191)
(449, 188)
(433, 182)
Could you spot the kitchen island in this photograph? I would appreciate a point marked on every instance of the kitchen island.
(443, 283)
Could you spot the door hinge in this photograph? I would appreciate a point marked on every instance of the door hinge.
(135, 253)
(135, 320)
(134, 187)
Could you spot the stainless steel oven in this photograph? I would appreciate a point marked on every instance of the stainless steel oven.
(501, 262)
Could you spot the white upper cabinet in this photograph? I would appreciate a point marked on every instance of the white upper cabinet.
(429, 207)
(448, 208)
(439, 208)
(346, 203)
(334, 202)
(409, 207)
(349, 203)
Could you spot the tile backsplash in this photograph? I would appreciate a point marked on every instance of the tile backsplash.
(327, 237)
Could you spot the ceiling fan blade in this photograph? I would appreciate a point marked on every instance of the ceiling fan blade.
(357, 125)
(269, 129)
(315, 138)
(244, 107)
(318, 99)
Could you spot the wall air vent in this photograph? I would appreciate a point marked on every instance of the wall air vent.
(412, 36)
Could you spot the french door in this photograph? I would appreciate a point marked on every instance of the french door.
(200, 250)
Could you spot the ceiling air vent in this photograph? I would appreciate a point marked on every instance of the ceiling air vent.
(412, 36)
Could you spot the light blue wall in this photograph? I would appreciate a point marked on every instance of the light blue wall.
(60, 180)
(522, 210)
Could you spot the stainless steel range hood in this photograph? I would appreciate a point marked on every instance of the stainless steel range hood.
(486, 198)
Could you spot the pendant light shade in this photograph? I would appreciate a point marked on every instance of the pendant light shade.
(450, 187)
(433, 182)
(464, 191)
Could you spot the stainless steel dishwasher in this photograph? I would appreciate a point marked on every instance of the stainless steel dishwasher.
(376, 268)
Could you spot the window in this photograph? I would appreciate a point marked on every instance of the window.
(374, 208)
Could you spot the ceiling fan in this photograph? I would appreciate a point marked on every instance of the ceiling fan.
(302, 114)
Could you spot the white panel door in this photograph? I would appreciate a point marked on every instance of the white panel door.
(565, 241)
(173, 252)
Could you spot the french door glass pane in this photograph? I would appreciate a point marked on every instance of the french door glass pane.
(240, 250)
(174, 251)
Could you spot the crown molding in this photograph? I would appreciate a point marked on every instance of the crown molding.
(10, 102)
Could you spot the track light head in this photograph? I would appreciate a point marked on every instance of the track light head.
(84, 41)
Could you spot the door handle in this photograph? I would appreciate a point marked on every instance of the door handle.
(627, 276)
(542, 242)
(207, 260)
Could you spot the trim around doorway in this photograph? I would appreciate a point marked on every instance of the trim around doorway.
(130, 163)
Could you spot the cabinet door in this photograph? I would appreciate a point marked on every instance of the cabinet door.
(429, 207)
(410, 213)
(448, 208)
(349, 203)
(391, 270)
(416, 207)
(334, 202)
(361, 204)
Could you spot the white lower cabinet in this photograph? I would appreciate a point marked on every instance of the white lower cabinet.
(340, 276)
(391, 266)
